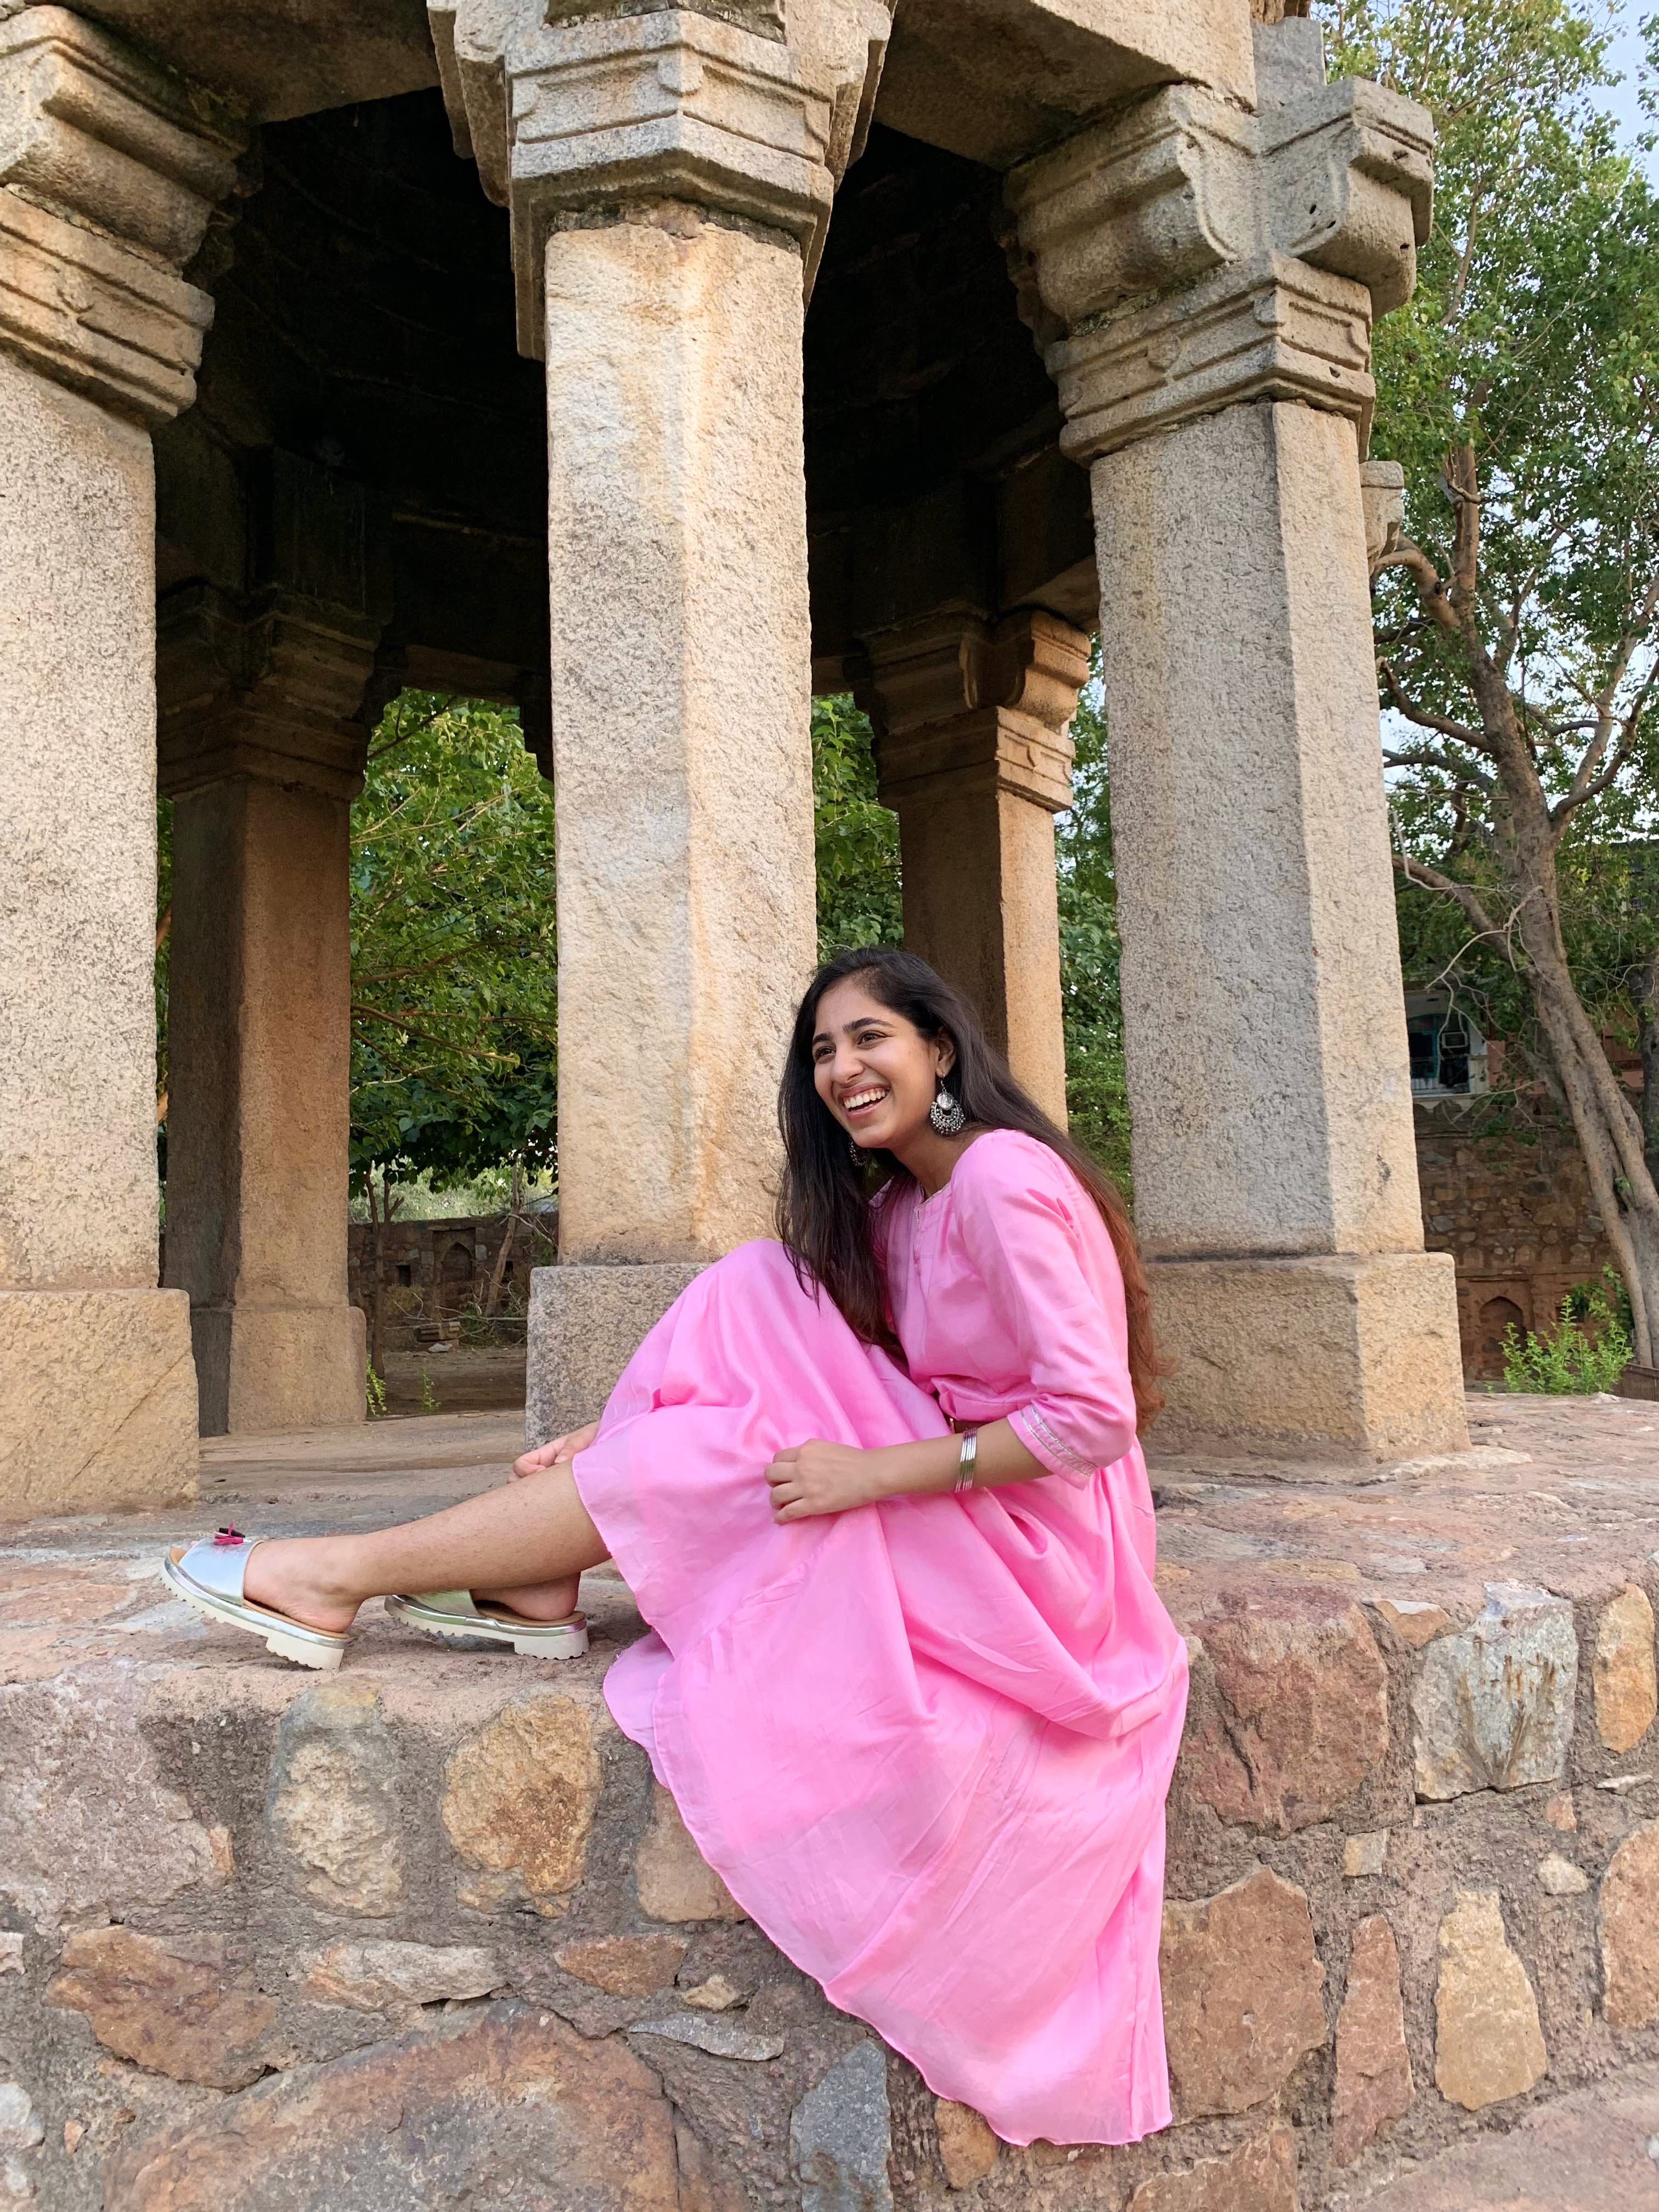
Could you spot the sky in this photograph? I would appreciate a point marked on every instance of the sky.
(1630, 59)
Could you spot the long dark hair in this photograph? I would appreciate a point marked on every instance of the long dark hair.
(824, 1201)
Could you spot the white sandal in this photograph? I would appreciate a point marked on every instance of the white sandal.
(455, 1617)
(208, 1576)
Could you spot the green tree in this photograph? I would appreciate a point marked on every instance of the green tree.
(1097, 1101)
(1515, 614)
(454, 947)
(855, 836)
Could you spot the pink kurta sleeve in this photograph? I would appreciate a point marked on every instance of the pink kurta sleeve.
(1055, 1286)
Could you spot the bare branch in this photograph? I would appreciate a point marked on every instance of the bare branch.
(1425, 718)
(1466, 776)
(1417, 871)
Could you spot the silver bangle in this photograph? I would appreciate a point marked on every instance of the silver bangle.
(967, 1453)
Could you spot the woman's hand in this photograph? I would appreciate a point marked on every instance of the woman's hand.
(555, 1453)
(819, 1478)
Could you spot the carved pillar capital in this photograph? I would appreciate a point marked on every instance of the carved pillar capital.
(1184, 256)
(266, 686)
(109, 172)
(955, 700)
(571, 114)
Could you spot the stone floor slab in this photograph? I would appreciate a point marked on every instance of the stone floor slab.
(1593, 2151)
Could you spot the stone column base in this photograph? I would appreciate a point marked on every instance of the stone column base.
(97, 1400)
(1361, 1352)
(586, 1324)
(272, 1368)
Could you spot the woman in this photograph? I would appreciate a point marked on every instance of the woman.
(877, 1489)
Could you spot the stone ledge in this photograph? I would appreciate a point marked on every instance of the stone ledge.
(432, 1916)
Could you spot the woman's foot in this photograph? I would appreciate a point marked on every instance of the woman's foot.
(303, 1578)
(535, 1600)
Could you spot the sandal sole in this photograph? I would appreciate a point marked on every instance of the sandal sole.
(305, 1647)
(559, 1639)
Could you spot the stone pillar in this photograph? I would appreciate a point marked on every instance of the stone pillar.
(261, 758)
(1206, 282)
(109, 170)
(669, 177)
(973, 752)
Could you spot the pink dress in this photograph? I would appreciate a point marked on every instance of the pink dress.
(926, 1742)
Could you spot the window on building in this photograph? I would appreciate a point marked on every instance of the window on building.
(1447, 1052)
(406, 1274)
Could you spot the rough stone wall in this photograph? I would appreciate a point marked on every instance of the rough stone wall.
(447, 1261)
(1514, 1209)
(426, 1933)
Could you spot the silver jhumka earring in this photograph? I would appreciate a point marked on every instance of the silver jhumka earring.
(860, 1156)
(946, 1115)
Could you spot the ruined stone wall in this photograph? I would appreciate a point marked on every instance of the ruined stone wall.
(1512, 1205)
(426, 1933)
(431, 1270)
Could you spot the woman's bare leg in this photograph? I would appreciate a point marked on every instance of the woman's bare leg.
(526, 1538)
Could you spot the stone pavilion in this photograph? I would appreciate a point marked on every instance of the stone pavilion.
(650, 367)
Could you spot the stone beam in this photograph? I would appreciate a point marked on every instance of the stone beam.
(109, 173)
(973, 752)
(1181, 259)
(993, 80)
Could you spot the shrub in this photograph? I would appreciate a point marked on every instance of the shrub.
(1587, 1352)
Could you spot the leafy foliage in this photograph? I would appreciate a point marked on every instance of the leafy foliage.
(1587, 1352)
(453, 949)
(1097, 1101)
(856, 837)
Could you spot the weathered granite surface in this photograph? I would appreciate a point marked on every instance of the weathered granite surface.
(426, 1932)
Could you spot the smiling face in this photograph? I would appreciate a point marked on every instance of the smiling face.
(873, 1069)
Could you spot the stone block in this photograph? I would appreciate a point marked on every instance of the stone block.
(719, 2037)
(1414, 1620)
(519, 1798)
(585, 1324)
(1493, 1707)
(1303, 1715)
(87, 1824)
(841, 2134)
(1358, 1353)
(331, 1802)
(968, 2150)
(1259, 2178)
(381, 1976)
(1488, 2044)
(628, 1966)
(715, 1995)
(1622, 1669)
(507, 2105)
(1630, 1930)
(97, 1400)
(174, 2005)
(1374, 2082)
(1364, 1856)
(673, 1880)
(1560, 1877)
(1242, 2002)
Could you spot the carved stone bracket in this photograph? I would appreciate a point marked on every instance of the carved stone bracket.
(265, 686)
(982, 705)
(1198, 256)
(569, 113)
(109, 172)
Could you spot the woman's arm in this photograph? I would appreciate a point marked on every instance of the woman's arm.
(824, 1478)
